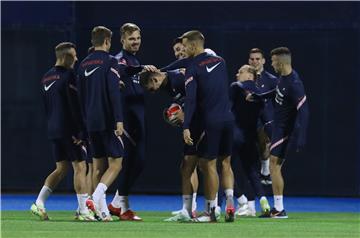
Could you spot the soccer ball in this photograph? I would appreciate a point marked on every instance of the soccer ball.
(169, 114)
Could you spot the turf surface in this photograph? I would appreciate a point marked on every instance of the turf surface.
(23, 224)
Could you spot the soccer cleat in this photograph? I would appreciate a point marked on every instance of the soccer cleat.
(204, 217)
(40, 211)
(213, 216)
(182, 216)
(242, 209)
(129, 215)
(265, 207)
(176, 212)
(193, 213)
(106, 217)
(114, 210)
(276, 214)
(86, 217)
(229, 214)
(245, 211)
(77, 214)
(90, 204)
(265, 179)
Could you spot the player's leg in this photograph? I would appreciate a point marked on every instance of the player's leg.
(99, 167)
(264, 148)
(251, 168)
(195, 185)
(133, 165)
(278, 150)
(211, 184)
(89, 178)
(227, 175)
(81, 189)
(104, 144)
(115, 151)
(58, 148)
(277, 186)
(187, 168)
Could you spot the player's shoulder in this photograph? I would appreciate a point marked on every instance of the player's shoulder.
(270, 75)
(112, 59)
(122, 58)
(296, 78)
(54, 73)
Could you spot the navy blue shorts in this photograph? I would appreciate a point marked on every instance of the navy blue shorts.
(217, 140)
(197, 134)
(65, 149)
(106, 144)
(279, 143)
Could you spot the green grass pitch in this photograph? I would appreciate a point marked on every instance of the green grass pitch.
(22, 224)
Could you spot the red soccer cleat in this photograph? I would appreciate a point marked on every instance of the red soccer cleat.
(230, 214)
(129, 215)
(114, 210)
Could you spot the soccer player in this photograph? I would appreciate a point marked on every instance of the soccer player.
(206, 85)
(134, 120)
(247, 112)
(179, 52)
(174, 83)
(266, 82)
(100, 99)
(64, 126)
(290, 118)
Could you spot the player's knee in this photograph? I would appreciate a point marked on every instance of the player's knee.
(275, 165)
(208, 166)
(80, 168)
(186, 170)
(61, 169)
(115, 164)
(226, 164)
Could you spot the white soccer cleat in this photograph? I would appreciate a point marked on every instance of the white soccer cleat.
(40, 211)
(213, 216)
(244, 211)
(176, 212)
(181, 216)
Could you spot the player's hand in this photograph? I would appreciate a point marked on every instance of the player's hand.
(119, 129)
(182, 71)
(249, 97)
(178, 117)
(150, 68)
(187, 137)
(121, 84)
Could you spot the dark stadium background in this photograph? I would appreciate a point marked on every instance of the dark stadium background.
(324, 38)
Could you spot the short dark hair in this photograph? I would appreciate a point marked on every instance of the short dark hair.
(256, 50)
(63, 48)
(280, 51)
(62, 51)
(128, 28)
(193, 35)
(99, 34)
(145, 78)
(177, 40)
